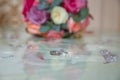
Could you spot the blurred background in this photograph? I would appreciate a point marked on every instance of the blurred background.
(106, 15)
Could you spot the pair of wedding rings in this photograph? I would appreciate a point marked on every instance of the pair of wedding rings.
(58, 52)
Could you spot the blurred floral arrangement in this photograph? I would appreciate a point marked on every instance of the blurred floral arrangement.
(54, 19)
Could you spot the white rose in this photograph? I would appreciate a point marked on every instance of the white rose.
(59, 15)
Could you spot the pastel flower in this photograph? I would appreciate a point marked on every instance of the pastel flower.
(74, 5)
(37, 16)
(59, 15)
(52, 34)
(73, 26)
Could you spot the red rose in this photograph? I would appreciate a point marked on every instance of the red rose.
(74, 5)
(27, 5)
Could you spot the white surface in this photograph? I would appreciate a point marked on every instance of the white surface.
(12, 68)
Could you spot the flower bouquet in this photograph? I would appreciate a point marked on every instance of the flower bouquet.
(55, 19)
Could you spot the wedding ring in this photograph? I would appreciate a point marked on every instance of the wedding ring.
(56, 53)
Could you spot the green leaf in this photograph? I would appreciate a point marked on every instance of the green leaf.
(43, 5)
(76, 17)
(53, 26)
(56, 3)
(44, 28)
(56, 27)
(50, 23)
(83, 13)
(64, 26)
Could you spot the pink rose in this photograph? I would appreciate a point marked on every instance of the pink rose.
(54, 34)
(74, 5)
(73, 26)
